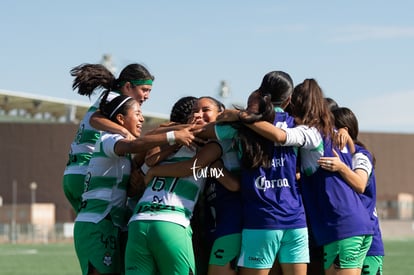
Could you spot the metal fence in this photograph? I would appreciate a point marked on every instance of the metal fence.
(30, 233)
(397, 218)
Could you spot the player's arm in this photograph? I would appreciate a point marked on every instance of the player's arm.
(342, 138)
(159, 153)
(357, 179)
(225, 177)
(269, 131)
(263, 128)
(208, 131)
(100, 122)
(143, 144)
(136, 184)
(202, 159)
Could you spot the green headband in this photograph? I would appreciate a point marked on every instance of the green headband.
(138, 82)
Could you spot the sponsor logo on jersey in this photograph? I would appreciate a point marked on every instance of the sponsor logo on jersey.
(278, 162)
(263, 184)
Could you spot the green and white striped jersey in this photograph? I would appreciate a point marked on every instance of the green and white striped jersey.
(105, 184)
(82, 146)
(171, 199)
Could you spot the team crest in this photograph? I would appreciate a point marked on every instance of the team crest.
(107, 259)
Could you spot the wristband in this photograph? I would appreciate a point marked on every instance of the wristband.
(171, 137)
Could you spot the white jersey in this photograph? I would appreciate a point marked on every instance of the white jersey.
(82, 146)
(106, 183)
(171, 199)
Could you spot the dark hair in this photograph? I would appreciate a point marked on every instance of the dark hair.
(275, 89)
(256, 150)
(308, 104)
(89, 77)
(278, 85)
(182, 109)
(265, 110)
(344, 117)
(331, 103)
(131, 72)
(220, 106)
(118, 105)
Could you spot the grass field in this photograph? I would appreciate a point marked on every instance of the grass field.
(38, 259)
(45, 259)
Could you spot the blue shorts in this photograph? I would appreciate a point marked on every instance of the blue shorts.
(261, 246)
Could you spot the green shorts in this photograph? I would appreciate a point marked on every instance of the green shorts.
(98, 244)
(372, 265)
(73, 187)
(159, 247)
(225, 249)
(347, 253)
(261, 246)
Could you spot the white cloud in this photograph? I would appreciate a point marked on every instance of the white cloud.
(365, 32)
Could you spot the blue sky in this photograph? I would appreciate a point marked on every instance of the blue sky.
(360, 52)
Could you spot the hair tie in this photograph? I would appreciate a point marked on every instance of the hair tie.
(264, 93)
(119, 106)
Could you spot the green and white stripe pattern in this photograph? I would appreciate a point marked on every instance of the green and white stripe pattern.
(170, 199)
(105, 184)
(84, 143)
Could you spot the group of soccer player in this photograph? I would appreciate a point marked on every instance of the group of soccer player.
(282, 186)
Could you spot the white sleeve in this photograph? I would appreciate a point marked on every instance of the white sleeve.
(108, 144)
(303, 136)
(361, 161)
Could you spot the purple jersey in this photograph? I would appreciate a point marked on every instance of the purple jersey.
(223, 210)
(224, 207)
(369, 200)
(271, 199)
(334, 209)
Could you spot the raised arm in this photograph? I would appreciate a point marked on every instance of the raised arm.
(342, 138)
(100, 122)
(142, 144)
(208, 131)
(263, 128)
(269, 131)
(172, 126)
(159, 153)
